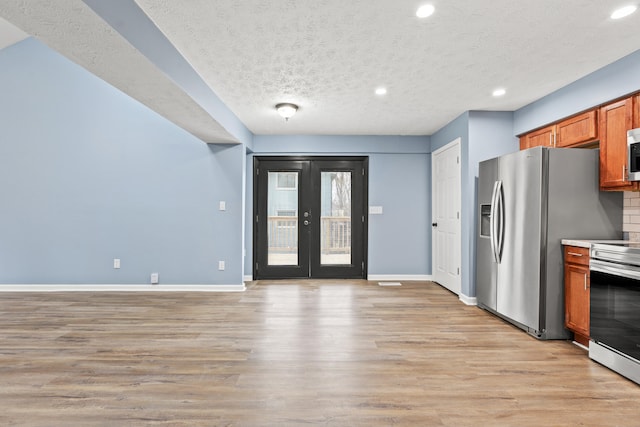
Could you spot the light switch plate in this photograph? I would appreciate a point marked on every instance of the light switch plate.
(375, 210)
(223, 205)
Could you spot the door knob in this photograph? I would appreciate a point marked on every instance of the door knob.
(434, 224)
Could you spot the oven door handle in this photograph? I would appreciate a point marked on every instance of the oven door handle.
(614, 269)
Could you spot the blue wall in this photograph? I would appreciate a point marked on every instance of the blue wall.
(483, 135)
(399, 180)
(126, 17)
(400, 238)
(87, 175)
(613, 81)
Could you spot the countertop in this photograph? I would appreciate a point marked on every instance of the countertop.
(587, 243)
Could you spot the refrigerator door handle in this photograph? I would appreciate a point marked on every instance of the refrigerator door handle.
(492, 222)
(500, 236)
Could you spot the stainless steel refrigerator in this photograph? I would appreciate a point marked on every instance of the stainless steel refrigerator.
(528, 202)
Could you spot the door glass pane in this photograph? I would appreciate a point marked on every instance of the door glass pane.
(335, 218)
(282, 222)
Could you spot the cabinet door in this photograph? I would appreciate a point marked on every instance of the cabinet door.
(577, 130)
(541, 137)
(576, 294)
(615, 120)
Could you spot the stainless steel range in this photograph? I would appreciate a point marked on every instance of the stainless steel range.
(615, 307)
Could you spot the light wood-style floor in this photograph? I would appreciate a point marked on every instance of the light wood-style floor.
(326, 353)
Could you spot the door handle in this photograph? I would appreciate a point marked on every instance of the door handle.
(493, 221)
(501, 221)
(434, 224)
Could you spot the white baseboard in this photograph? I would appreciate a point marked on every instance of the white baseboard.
(399, 277)
(122, 288)
(468, 300)
(379, 277)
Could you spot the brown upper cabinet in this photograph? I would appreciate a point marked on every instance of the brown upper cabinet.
(615, 119)
(572, 132)
(541, 137)
(607, 125)
(577, 130)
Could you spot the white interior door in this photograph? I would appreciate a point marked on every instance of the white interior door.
(446, 236)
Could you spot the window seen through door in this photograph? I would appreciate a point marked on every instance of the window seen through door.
(335, 220)
(282, 221)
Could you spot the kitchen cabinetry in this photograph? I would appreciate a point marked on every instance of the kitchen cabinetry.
(615, 119)
(577, 292)
(574, 131)
(636, 111)
(577, 130)
(538, 137)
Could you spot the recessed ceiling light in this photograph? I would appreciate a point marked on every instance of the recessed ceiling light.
(499, 92)
(426, 10)
(381, 91)
(623, 11)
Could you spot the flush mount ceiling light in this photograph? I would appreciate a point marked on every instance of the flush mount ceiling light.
(381, 91)
(499, 92)
(287, 110)
(623, 11)
(425, 11)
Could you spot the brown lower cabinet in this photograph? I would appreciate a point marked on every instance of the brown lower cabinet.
(577, 292)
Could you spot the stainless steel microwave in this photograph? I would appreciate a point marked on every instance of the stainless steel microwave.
(633, 152)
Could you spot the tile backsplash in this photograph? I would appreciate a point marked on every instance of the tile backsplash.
(631, 215)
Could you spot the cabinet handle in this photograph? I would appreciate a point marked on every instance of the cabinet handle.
(624, 175)
(550, 140)
(573, 253)
(585, 282)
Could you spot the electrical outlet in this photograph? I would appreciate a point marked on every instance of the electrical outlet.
(220, 265)
(154, 278)
(116, 263)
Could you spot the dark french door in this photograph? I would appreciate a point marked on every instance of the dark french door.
(310, 217)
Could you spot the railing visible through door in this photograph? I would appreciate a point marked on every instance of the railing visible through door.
(335, 230)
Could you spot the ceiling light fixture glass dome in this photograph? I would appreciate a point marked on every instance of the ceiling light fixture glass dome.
(287, 110)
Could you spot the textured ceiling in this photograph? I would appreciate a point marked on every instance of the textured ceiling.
(328, 56)
(73, 29)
